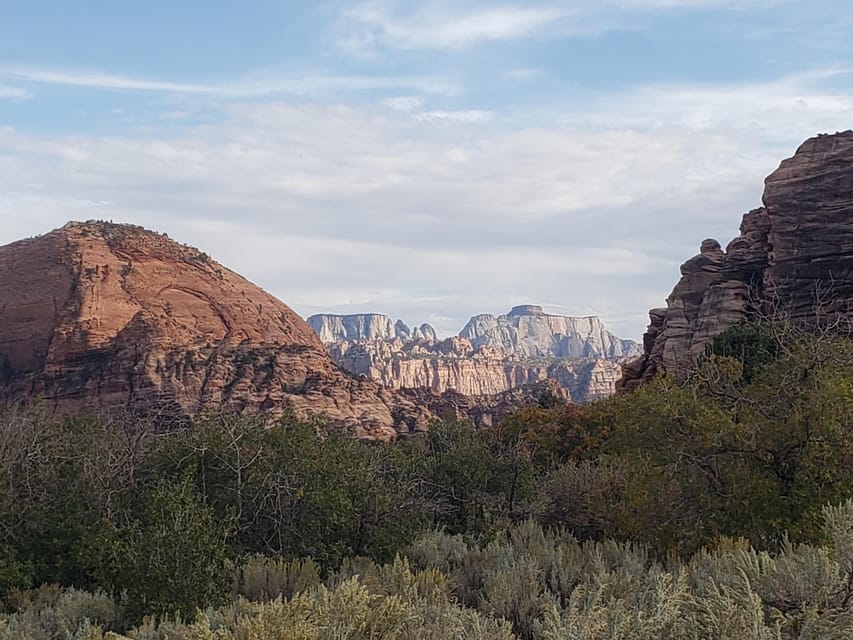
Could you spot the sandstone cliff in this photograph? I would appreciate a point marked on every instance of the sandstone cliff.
(527, 331)
(488, 410)
(491, 355)
(365, 326)
(100, 315)
(792, 261)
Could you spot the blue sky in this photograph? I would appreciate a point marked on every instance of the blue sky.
(428, 160)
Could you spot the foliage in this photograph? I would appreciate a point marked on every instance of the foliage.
(586, 497)
(58, 479)
(754, 344)
(722, 456)
(171, 561)
(686, 509)
(554, 433)
(552, 587)
(472, 481)
(296, 492)
(263, 578)
(528, 583)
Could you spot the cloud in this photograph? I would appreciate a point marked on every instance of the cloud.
(435, 27)
(404, 103)
(784, 108)
(441, 25)
(257, 84)
(525, 74)
(694, 4)
(469, 116)
(14, 93)
(103, 80)
(347, 208)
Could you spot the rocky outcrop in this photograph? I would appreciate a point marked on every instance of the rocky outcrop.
(471, 372)
(486, 411)
(491, 356)
(365, 326)
(793, 261)
(528, 332)
(98, 315)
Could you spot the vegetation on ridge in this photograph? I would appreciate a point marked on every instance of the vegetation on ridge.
(693, 510)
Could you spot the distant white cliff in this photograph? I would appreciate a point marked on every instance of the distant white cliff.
(492, 354)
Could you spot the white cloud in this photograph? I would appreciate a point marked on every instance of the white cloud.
(695, 4)
(103, 80)
(525, 74)
(14, 93)
(785, 108)
(439, 24)
(437, 27)
(343, 208)
(258, 84)
(468, 116)
(404, 103)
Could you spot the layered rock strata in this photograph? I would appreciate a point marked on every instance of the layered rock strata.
(489, 410)
(492, 355)
(366, 326)
(792, 262)
(528, 332)
(97, 315)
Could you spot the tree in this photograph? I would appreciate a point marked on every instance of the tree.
(173, 560)
(473, 481)
(724, 455)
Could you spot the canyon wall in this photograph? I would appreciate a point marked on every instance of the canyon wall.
(792, 262)
(491, 355)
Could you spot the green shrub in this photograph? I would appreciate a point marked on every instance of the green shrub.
(173, 560)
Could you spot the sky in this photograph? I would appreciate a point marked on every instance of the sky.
(429, 160)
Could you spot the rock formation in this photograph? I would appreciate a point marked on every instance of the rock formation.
(490, 356)
(793, 261)
(365, 326)
(99, 315)
(528, 332)
(488, 410)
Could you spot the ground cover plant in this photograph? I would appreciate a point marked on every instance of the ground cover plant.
(716, 507)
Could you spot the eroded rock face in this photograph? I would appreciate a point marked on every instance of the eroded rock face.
(792, 261)
(98, 315)
(365, 326)
(528, 332)
(492, 355)
(485, 411)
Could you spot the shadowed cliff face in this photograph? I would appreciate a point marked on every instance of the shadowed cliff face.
(99, 315)
(792, 261)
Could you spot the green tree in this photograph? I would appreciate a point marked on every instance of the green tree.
(297, 489)
(472, 481)
(720, 455)
(173, 560)
(754, 344)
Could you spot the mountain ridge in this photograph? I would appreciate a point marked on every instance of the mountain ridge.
(490, 355)
(97, 316)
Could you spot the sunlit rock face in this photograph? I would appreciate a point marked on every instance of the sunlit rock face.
(96, 316)
(491, 355)
(792, 261)
(527, 331)
(365, 326)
